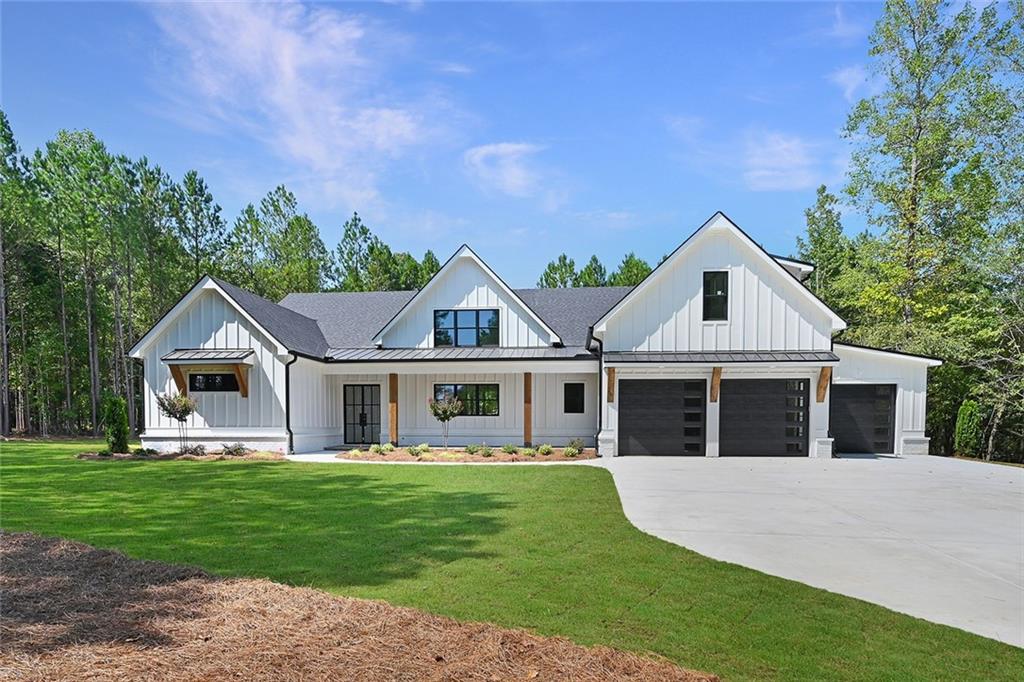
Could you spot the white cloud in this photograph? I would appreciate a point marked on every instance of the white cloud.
(849, 79)
(455, 68)
(306, 82)
(504, 167)
(843, 28)
(776, 161)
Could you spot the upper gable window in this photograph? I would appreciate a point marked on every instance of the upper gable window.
(716, 296)
(466, 327)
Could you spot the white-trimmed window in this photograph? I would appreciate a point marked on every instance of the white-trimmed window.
(716, 295)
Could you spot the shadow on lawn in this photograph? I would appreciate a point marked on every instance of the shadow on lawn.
(301, 524)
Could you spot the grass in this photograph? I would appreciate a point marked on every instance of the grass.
(544, 548)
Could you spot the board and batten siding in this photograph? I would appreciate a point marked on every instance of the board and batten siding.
(465, 285)
(210, 322)
(318, 404)
(767, 309)
(550, 424)
(860, 366)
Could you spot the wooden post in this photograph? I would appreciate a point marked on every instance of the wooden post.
(824, 376)
(179, 379)
(393, 408)
(716, 382)
(611, 384)
(528, 409)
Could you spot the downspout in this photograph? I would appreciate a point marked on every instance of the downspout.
(591, 339)
(288, 402)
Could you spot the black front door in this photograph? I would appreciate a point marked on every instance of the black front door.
(362, 413)
(763, 417)
(661, 416)
(862, 417)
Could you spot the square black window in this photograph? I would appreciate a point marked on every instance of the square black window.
(716, 296)
(574, 393)
(205, 383)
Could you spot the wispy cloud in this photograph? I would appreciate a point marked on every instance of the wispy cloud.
(849, 79)
(684, 127)
(775, 161)
(843, 28)
(455, 68)
(306, 82)
(510, 168)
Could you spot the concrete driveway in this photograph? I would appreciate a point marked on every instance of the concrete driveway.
(936, 538)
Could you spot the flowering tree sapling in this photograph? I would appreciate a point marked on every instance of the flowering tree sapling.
(178, 407)
(444, 411)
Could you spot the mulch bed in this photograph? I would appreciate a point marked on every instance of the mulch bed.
(211, 457)
(459, 455)
(71, 611)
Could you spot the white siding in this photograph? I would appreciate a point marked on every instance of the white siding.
(318, 404)
(767, 309)
(550, 425)
(211, 322)
(860, 366)
(465, 285)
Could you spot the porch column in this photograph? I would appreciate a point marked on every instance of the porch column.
(528, 409)
(393, 408)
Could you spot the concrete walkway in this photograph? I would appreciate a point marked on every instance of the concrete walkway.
(937, 538)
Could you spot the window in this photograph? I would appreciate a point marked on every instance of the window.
(204, 383)
(478, 400)
(716, 296)
(466, 327)
(573, 399)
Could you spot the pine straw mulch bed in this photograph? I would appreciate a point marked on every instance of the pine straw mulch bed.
(259, 456)
(459, 455)
(71, 611)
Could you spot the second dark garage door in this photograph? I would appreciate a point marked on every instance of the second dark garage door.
(862, 417)
(661, 416)
(763, 417)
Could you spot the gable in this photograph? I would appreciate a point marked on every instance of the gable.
(768, 308)
(466, 282)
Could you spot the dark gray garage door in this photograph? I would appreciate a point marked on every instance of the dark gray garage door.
(661, 417)
(862, 417)
(763, 417)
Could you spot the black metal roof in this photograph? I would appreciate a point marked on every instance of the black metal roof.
(225, 354)
(457, 354)
(721, 357)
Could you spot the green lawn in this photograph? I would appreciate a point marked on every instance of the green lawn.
(545, 548)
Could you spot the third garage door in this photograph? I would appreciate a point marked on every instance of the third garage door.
(862, 417)
(763, 417)
(661, 416)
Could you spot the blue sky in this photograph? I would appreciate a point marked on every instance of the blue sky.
(525, 130)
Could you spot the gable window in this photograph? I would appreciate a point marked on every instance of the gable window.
(466, 327)
(573, 398)
(716, 296)
(478, 400)
(208, 382)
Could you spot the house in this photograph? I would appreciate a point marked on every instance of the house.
(721, 351)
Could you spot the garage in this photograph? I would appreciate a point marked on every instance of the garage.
(662, 417)
(764, 417)
(862, 418)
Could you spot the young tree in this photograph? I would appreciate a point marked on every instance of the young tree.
(631, 272)
(177, 407)
(559, 273)
(115, 423)
(593, 274)
(444, 411)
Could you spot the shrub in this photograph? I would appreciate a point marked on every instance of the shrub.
(571, 451)
(387, 447)
(450, 455)
(376, 448)
(235, 449)
(178, 407)
(545, 450)
(509, 449)
(444, 411)
(428, 457)
(485, 451)
(144, 452)
(354, 452)
(472, 449)
(424, 447)
(197, 450)
(413, 450)
(115, 423)
(969, 432)
(576, 444)
(529, 452)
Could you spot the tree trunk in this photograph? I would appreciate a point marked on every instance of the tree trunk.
(93, 350)
(66, 419)
(5, 372)
(997, 418)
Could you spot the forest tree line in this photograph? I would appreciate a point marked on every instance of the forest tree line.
(937, 169)
(95, 247)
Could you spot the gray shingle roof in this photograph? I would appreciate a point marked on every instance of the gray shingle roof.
(723, 357)
(297, 332)
(570, 312)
